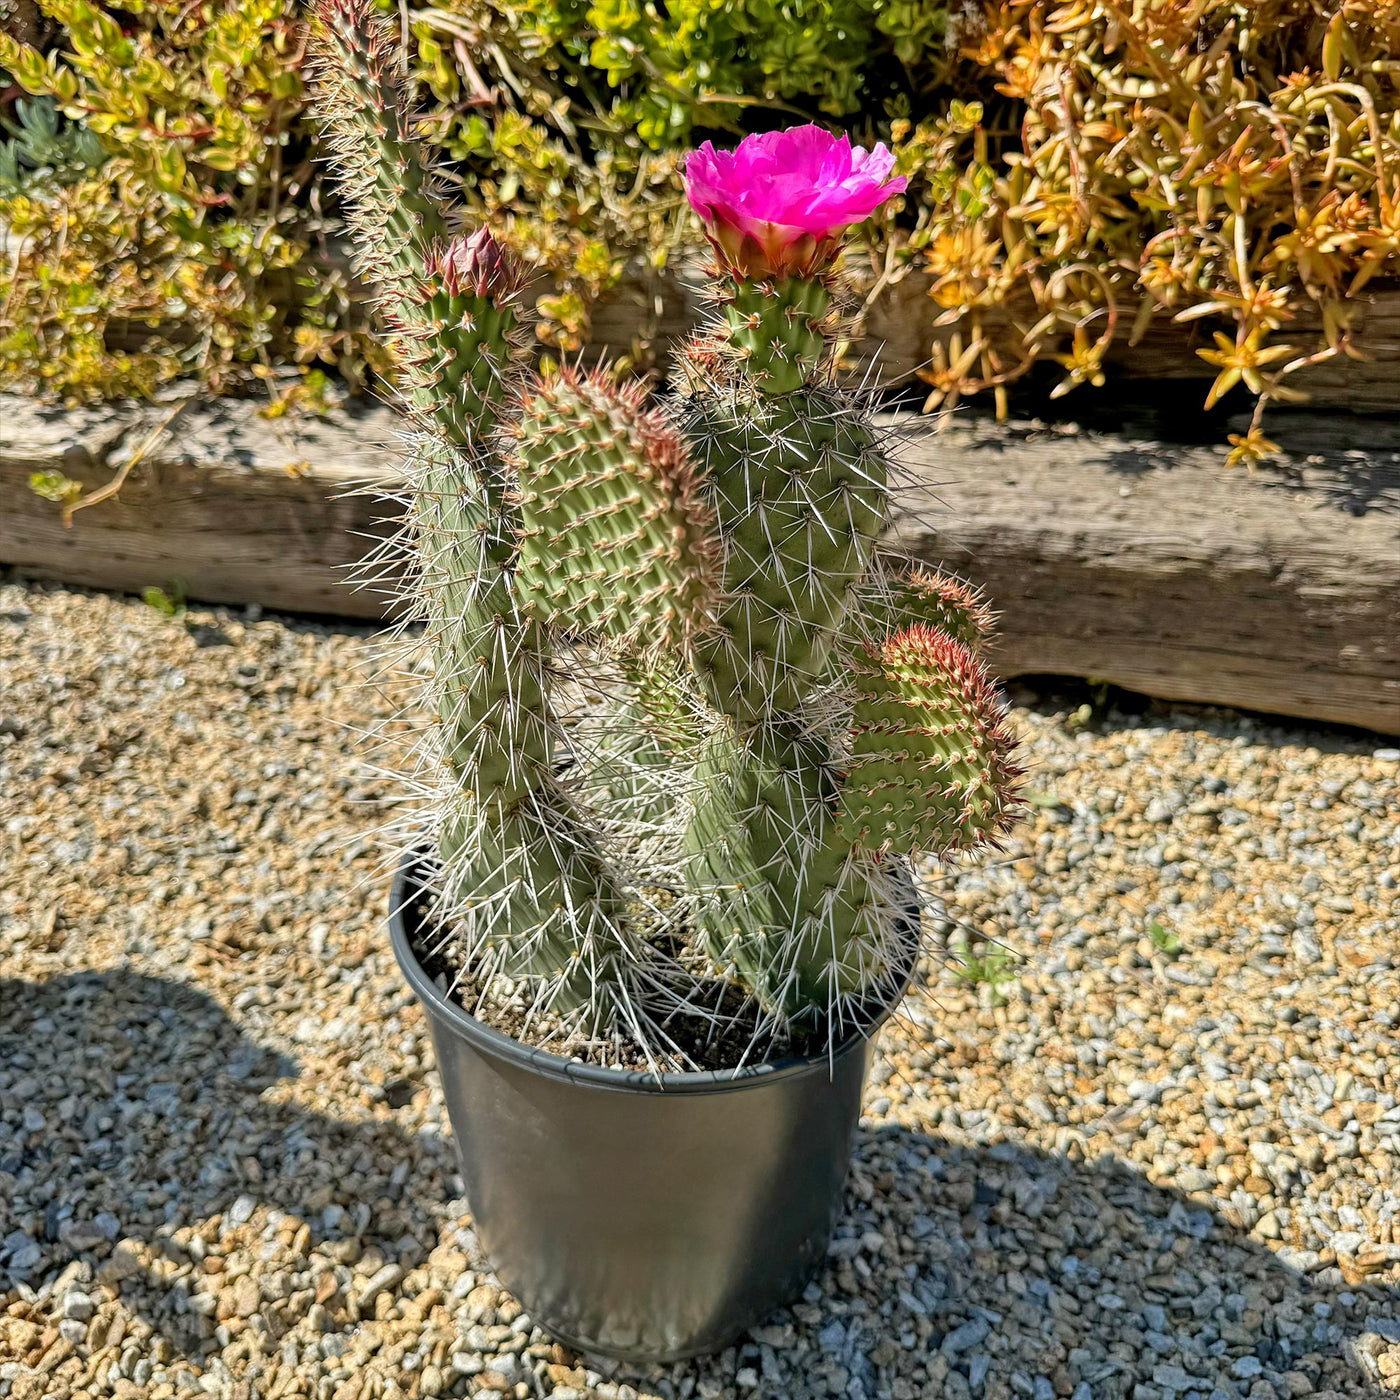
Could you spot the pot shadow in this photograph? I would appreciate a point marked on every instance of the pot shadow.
(1109, 1280)
(152, 1113)
(144, 1084)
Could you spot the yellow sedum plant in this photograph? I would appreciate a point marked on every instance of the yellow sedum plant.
(1081, 174)
(185, 251)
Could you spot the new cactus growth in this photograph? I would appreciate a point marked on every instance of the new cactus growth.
(936, 600)
(784, 726)
(929, 764)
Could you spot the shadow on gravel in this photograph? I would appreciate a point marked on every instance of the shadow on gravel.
(1117, 1277)
(156, 1116)
(157, 1112)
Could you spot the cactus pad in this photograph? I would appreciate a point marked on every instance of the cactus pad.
(615, 537)
(393, 206)
(779, 894)
(463, 338)
(531, 894)
(931, 765)
(932, 599)
(798, 487)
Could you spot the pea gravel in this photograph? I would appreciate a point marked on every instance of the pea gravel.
(1158, 1163)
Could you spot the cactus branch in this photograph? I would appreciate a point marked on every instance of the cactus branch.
(522, 879)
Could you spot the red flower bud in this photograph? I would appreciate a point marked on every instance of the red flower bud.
(475, 264)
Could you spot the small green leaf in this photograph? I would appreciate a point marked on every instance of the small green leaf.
(169, 604)
(55, 486)
(1164, 940)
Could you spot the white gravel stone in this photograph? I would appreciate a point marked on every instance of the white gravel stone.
(1158, 1163)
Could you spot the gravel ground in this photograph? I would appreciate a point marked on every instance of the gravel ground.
(1158, 1164)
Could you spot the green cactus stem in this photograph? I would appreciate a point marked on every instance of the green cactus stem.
(615, 539)
(807, 922)
(777, 330)
(798, 488)
(798, 481)
(521, 877)
(463, 338)
(931, 763)
(393, 207)
(641, 750)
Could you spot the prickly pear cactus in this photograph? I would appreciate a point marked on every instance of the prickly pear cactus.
(930, 758)
(615, 537)
(685, 725)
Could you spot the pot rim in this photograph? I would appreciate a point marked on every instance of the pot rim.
(484, 1037)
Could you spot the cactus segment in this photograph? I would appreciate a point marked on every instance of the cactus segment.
(666, 707)
(931, 764)
(806, 921)
(641, 748)
(777, 330)
(463, 340)
(935, 600)
(530, 894)
(782, 899)
(521, 875)
(393, 207)
(615, 537)
(798, 489)
(523, 881)
(487, 662)
(449, 301)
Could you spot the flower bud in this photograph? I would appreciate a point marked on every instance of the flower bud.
(475, 264)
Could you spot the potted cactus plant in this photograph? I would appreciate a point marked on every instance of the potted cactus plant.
(685, 729)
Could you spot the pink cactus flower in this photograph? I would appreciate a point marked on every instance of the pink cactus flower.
(776, 205)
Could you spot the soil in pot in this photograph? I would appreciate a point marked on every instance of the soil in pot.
(727, 1029)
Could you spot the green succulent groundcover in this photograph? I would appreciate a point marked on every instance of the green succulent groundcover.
(1076, 171)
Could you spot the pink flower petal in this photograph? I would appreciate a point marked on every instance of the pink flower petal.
(804, 180)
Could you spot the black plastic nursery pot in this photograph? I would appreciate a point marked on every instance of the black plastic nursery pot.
(649, 1217)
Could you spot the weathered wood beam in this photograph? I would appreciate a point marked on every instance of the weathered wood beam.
(899, 334)
(1154, 567)
(1141, 563)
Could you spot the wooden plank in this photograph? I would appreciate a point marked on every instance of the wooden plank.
(1135, 562)
(662, 308)
(1153, 567)
(229, 506)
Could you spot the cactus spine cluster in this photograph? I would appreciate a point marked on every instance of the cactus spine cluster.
(792, 720)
